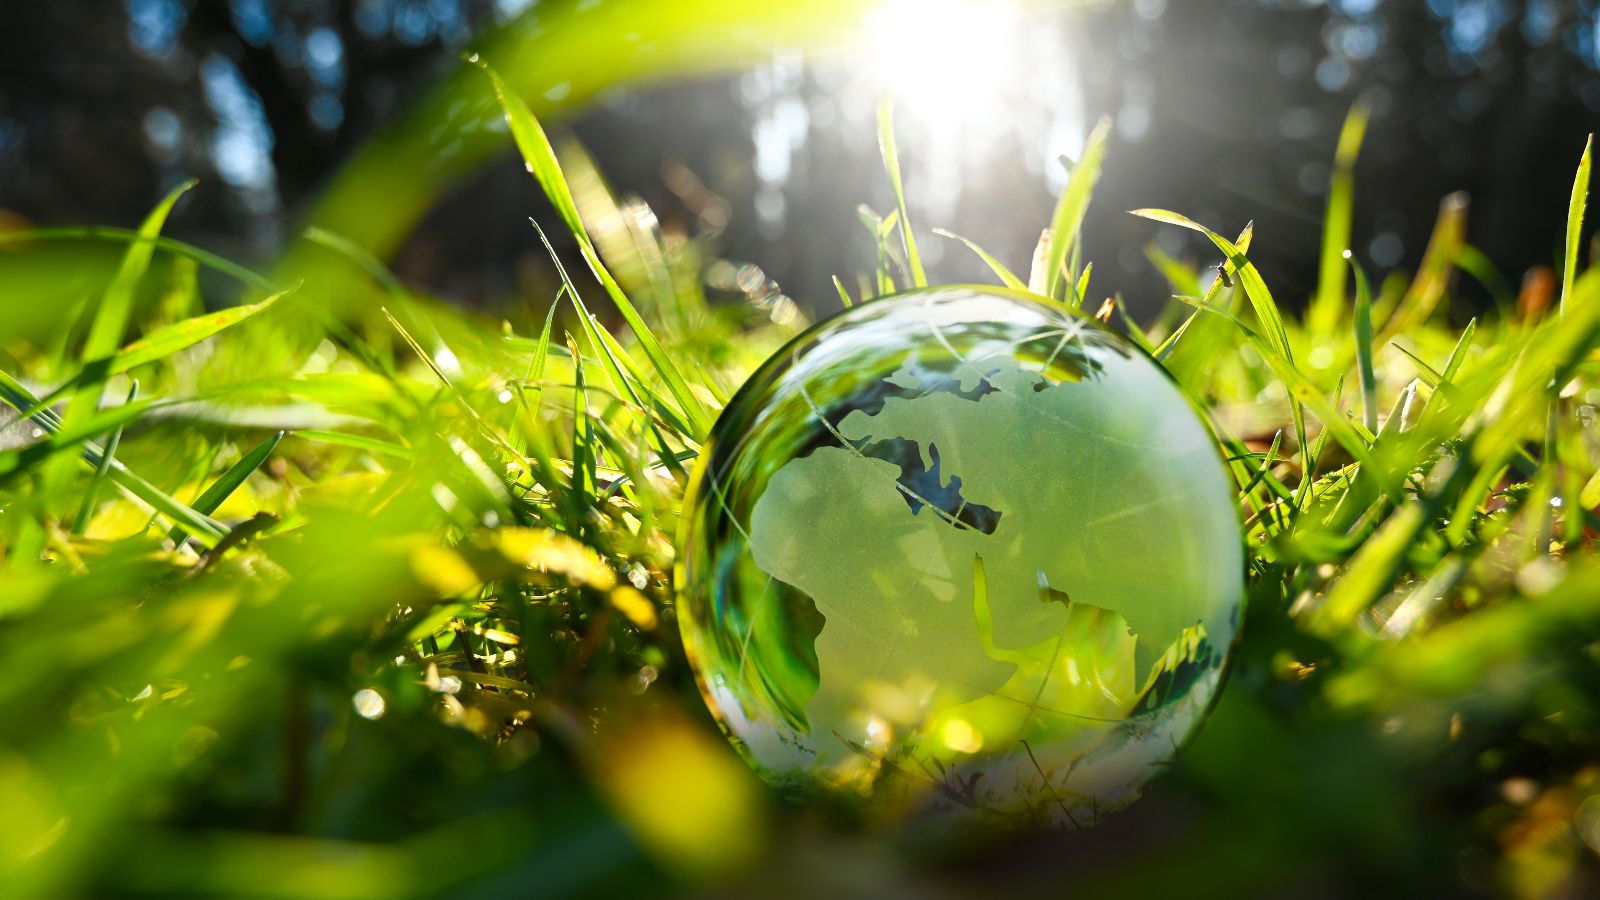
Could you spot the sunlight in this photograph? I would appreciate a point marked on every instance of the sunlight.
(944, 59)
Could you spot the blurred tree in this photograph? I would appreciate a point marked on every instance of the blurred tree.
(1226, 109)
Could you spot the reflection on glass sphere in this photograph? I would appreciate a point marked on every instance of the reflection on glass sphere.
(960, 549)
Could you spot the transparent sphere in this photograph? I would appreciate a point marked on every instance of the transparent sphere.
(960, 549)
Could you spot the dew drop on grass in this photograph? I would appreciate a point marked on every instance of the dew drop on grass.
(368, 703)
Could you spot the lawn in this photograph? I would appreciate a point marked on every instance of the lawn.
(337, 589)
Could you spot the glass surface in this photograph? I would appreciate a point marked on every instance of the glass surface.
(961, 549)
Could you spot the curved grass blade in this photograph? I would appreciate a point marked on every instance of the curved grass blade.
(1082, 290)
(205, 258)
(1006, 276)
(541, 354)
(540, 157)
(164, 342)
(106, 329)
(1227, 274)
(1277, 337)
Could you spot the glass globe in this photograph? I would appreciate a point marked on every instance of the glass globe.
(961, 549)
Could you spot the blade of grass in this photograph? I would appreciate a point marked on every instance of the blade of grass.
(204, 529)
(1336, 225)
(1575, 211)
(1433, 275)
(1006, 276)
(844, 295)
(615, 361)
(1217, 284)
(91, 495)
(1266, 309)
(129, 236)
(891, 164)
(357, 442)
(164, 342)
(106, 330)
(229, 481)
(583, 461)
(541, 355)
(1072, 205)
(1082, 290)
(1363, 329)
(540, 156)
(1429, 375)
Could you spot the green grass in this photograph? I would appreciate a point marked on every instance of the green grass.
(473, 519)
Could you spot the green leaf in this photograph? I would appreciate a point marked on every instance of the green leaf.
(128, 236)
(1575, 210)
(891, 163)
(91, 496)
(844, 295)
(204, 529)
(357, 442)
(540, 157)
(1006, 276)
(1277, 336)
(541, 354)
(166, 341)
(1363, 328)
(111, 319)
(224, 486)
(1328, 305)
(1072, 205)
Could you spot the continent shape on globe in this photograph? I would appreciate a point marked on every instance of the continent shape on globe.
(957, 574)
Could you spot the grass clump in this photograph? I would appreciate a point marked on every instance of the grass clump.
(394, 616)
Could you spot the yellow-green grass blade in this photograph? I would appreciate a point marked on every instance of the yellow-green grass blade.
(204, 529)
(891, 164)
(1575, 211)
(116, 308)
(844, 295)
(1328, 306)
(1071, 206)
(164, 342)
(1175, 277)
(1277, 336)
(205, 258)
(1082, 290)
(540, 157)
(1006, 276)
(106, 330)
(1363, 330)
(357, 442)
(541, 354)
(1432, 280)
